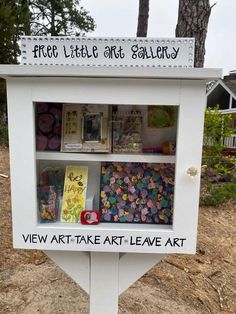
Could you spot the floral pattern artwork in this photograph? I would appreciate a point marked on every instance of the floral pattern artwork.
(137, 192)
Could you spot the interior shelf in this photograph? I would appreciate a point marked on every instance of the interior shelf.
(154, 158)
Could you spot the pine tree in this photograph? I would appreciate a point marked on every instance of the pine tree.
(59, 17)
(193, 18)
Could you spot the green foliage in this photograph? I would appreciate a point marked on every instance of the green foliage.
(226, 164)
(38, 17)
(216, 124)
(3, 135)
(9, 35)
(216, 127)
(14, 16)
(59, 17)
(219, 194)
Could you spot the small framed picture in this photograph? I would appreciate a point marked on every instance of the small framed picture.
(86, 128)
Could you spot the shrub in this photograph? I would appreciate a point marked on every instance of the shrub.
(219, 194)
(216, 127)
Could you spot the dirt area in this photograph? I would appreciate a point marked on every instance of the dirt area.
(201, 283)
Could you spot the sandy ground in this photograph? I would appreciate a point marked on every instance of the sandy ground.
(201, 283)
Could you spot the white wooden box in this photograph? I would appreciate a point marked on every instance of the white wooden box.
(184, 88)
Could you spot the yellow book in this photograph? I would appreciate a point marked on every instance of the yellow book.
(74, 194)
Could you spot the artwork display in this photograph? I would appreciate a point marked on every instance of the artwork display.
(86, 128)
(161, 116)
(49, 192)
(48, 203)
(130, 192)
(74, 193)
(137, 192)
(48, 126)
(93, 128)
(127, 132)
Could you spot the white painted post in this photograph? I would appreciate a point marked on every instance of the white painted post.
(104, 281)
(104, 276)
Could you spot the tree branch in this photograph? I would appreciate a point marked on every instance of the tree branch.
(213, 5)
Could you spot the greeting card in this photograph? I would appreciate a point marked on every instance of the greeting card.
(74, 194)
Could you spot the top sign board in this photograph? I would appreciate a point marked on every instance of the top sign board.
(121, 52)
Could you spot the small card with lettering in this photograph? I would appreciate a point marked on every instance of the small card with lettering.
(74, 194)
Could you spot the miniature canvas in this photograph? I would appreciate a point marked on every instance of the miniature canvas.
(86, 128)
(137, 192)
(74, 194)
(48, 126)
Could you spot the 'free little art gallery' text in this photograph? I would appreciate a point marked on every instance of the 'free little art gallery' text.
(84, 51)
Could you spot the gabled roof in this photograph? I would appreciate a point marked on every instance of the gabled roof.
(223, 94)
(231, 84)
(228, 85)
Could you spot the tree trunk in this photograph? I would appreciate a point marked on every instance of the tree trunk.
(143, 18)
(193, 17)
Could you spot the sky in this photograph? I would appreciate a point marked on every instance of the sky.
(118, 18)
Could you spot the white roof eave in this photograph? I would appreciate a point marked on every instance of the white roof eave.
(205, 74)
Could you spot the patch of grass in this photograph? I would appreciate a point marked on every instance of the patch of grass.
(219, 194)
(3, 135)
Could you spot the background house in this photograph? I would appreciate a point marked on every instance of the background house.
(223, 93)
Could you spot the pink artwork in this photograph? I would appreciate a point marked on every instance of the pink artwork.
(48, 126)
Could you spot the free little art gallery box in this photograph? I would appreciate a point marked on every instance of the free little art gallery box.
(109, 127)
